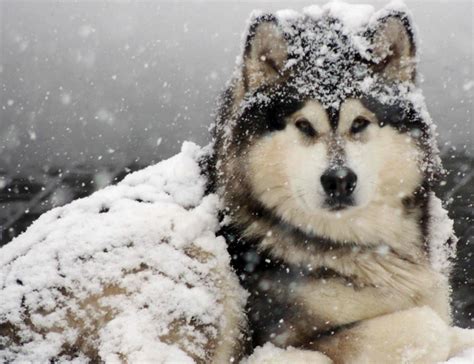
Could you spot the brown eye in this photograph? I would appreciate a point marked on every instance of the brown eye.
(305, 127)
(359, 124)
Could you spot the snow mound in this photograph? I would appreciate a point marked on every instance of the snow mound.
(126, 273)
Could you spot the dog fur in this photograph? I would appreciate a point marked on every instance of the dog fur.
(354, 283)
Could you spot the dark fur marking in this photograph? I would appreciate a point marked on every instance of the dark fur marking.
(333, 115)
(404, 118)
(259, 116)
(400, 115)
(326, 334)
(268, 281)
(324, 244)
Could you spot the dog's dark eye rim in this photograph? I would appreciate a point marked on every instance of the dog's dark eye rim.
(305, 127)
(359, 124)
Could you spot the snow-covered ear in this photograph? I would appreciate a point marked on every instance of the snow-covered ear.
(394, 48)
(265, 53)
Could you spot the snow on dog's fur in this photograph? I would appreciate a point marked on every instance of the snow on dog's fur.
(326, 160)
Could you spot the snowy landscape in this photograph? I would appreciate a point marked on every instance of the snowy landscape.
(94, 99)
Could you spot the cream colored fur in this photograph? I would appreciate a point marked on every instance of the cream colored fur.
(269, 354)
(286, 166)
(417, 335)
(397, 303)
(393, 277)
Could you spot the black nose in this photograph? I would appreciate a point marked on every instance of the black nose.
(339, 182)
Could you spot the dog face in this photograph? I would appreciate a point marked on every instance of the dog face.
(315, 167)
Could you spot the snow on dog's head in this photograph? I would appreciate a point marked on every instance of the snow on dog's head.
(324, 124)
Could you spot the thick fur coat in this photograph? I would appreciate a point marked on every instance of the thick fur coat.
(326, 162)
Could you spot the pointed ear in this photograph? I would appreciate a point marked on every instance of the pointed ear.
(265, 53)
(394, 48)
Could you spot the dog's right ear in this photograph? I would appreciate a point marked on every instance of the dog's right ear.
(265, 53)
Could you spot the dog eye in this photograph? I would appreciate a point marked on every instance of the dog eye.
(305, 127)
(359, 124)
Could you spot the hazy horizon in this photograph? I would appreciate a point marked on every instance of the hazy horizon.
(107, 83)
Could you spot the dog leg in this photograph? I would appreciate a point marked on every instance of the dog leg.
(417, 335)
(270, 354)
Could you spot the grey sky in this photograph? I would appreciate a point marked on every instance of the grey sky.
(94, 82)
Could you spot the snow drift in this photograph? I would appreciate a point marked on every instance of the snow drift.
(126, 273)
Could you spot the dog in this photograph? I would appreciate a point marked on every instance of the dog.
(325, 159)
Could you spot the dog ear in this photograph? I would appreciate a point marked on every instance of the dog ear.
(394, 48)
(265, 53)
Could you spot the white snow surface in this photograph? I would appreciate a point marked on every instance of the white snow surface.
(150, 224)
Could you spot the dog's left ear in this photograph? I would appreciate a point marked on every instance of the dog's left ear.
(265, 53)
(394, 48)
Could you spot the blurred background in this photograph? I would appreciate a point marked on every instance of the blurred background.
(90, 91)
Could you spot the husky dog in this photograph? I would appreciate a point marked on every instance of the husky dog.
(325, 160)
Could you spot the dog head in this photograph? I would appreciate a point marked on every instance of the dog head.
(323, 124)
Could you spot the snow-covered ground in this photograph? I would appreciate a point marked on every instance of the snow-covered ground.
(124, 273)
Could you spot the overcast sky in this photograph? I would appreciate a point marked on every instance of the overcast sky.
(111, 82)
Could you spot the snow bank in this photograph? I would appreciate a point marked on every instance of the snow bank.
(129, 272)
